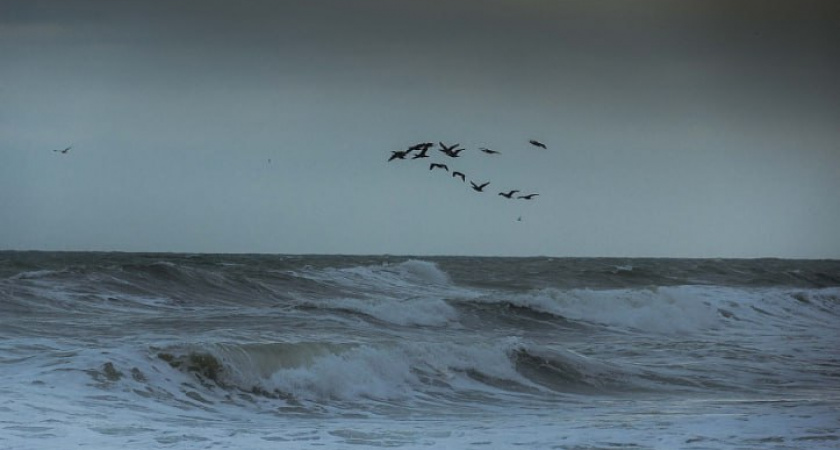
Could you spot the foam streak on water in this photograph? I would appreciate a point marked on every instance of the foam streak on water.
(249, 351)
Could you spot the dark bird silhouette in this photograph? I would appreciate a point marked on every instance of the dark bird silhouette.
(459, 175)
(438, 166)
(421, 146)
(445, 149)
(397, 155)
(422, 153)
(63, 152)
(537, 143)
(451, 151)
(479, 187)
(528, 197)
(508, 194)
(488, 151)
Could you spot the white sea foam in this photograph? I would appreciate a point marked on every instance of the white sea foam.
(34, 274)
(355, 372)
(677, 309)
(415, 311)
(360, 373)
(415, 276)
(413, 292)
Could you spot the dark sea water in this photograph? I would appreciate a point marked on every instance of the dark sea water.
(118, 350)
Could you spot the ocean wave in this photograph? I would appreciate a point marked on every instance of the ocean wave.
(34, 274)
(413, 292)
(672, 310)
(324, 373)
(385, 277)
(418, 311)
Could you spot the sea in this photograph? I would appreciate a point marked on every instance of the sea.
(221, 351)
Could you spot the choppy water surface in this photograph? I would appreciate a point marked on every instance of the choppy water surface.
(248, 351)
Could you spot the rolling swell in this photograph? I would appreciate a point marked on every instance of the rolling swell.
(268, 345)
(316, 375)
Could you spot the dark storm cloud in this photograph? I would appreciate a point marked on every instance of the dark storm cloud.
(497, 41)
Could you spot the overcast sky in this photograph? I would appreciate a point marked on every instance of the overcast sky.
(674, 128)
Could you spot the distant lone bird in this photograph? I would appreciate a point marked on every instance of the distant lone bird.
(64, 151)
(537, 143)
(438, 166)
(479, 187)
(508, 194)
(459, 175)
(397, 155)
(488, 151)
(528, 197)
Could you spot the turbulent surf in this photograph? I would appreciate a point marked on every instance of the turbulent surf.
(117, 350)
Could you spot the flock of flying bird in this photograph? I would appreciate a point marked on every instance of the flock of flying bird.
(453, 151)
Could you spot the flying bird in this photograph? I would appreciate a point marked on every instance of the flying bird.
(479, 187)
(397, 155)
(445, 149)
(537, 143)
(67, 149)
(528, 197)
(488, 151)
(422, 153)
(438, 166)
(421, 146)
(460, 175)
(508, 194)
(451, 151)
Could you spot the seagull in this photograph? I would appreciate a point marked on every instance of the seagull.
(460, 175)
(488, 151)
(537, 143)
(528, 197)
(508, 194)
(479, 187)
(397, 155)
(438, 166)
(63, 152)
